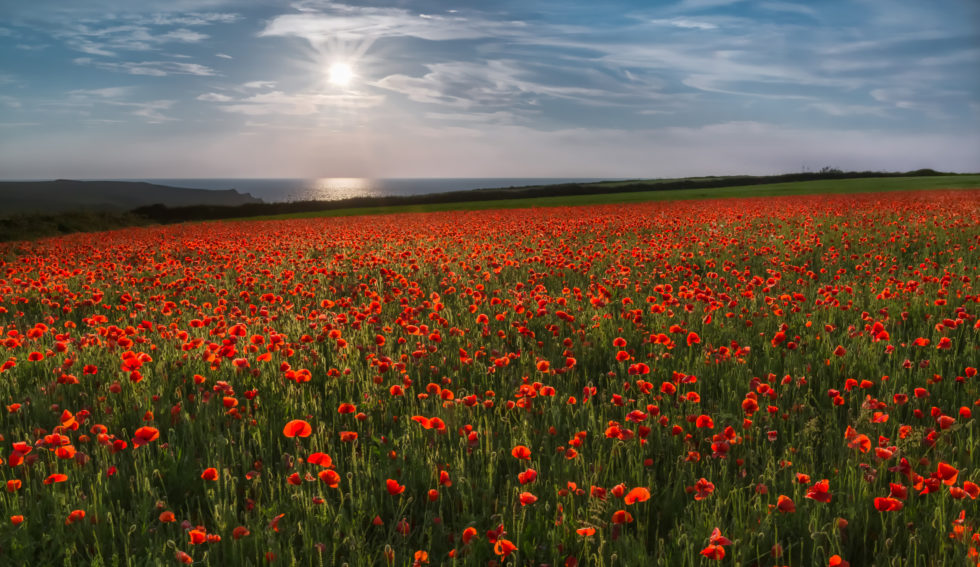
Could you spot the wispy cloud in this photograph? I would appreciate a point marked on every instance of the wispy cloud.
(214, 97)
(122, 98)
(291, 104)
(685, 23)
(149, 68)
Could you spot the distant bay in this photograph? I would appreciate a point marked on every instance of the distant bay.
(334, 188)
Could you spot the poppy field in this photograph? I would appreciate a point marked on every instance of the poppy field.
(779, 381)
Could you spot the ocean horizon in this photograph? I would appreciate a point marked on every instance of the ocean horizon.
(336, 188)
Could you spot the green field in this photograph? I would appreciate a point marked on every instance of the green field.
(830, 186)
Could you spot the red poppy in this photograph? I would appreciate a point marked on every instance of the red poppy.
(56, 477)
(530, 475)
(715, 552)
(297, 428)
(947, 473)
(585, 532)
(240, 532)
(527, 498)
(785, 504)
(330, 477)
(167, 517)
(75, 516)
(197, 536)
(321, 459)
(621, 517)
(888, 504)
(521, 452)
(144, 435)
(504, 547)
(468, 535)
(703, 488)
(210, 473)
(393, 487)
(820, 491)
(638, 494)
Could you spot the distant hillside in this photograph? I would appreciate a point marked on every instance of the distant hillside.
(66, 195)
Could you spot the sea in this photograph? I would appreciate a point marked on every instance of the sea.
(334, 188)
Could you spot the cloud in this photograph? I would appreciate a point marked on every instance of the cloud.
(10, 102)
(113, 32)
(259, 85)
(149, 68)
(835, 109)
(685, 23)
(340, 22)
(223, 55)
(119, 97)
(788, 7)
(106, 92)
(214, 97)
(292, 104)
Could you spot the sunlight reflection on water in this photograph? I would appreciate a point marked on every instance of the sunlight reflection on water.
(332, 188)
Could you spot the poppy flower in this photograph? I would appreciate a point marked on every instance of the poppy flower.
(585, 532)
(638, 494)
(704, 422)
(297, 428)
(521, 452)
(210, 473)
(717, 539)
(527, 498)
(468, 535)
(393, 487)
(57, 477)
(837, 561)
(504, 547)
(13, 485)
(785, 504)
(321, 459)
(345, 408)
(715, 552)
(947, 473)
(167, 517)
(621, 517)
(527, 476)
(888, 504)
(330, 477)
(197, 536)
(703, 488)
(240, 532)
(820, 491)
(144, 435)
(75, 516)
(17, 520)
(183, 557)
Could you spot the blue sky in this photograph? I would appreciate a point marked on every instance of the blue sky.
(217, 88)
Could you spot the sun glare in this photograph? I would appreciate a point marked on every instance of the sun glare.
(340, 74)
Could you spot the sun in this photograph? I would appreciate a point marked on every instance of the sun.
(340, 74)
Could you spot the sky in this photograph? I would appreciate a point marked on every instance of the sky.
(525, 88)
